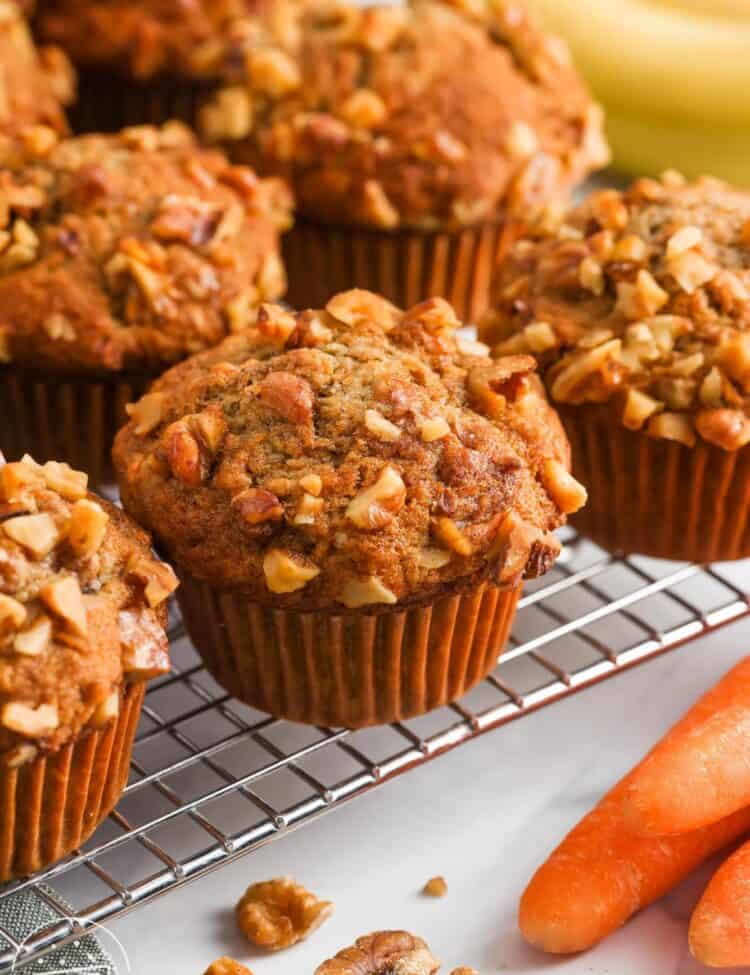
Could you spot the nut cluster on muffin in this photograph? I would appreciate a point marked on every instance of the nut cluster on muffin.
(133, 250)
(82, 609)
(147, 38)
(640, 299)
(35, 84)
(425, 116)
(354, 456)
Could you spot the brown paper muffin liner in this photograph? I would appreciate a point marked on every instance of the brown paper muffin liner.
(350, 670)
(658, 497)
(67, 418)
(107, 103)
(405, 266)
(51, 805)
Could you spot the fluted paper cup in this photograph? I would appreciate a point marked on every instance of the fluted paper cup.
(353, 669)
(52, 804)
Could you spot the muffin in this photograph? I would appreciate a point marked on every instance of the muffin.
(82, 616)
(411, 172)
(35, 84)
(154, 60)
(352, 499)
(120, 255)
(637, 309)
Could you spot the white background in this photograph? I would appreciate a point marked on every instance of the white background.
(484, 816)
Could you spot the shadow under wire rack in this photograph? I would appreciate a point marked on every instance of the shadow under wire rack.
(211, 779)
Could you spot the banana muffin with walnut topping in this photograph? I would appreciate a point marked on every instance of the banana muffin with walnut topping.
(35, 84)
(417, 138)
(154, 60)
(82, 616)
(120, 255)
(353, 499)
(638, 309)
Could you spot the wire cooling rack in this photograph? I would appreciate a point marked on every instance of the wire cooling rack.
(212, 779)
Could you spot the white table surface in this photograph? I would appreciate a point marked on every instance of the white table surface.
(483, 816)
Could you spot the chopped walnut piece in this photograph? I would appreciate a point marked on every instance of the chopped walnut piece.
(68, 483)
(29, 721)
(448, 532)
(639, 407)
(145, 650)
(540, 337)
(255, 506)
(87, 527)
(366, 592)
(711, 389)
(376, 506)
(383, 953)
(591, 276)
(148, 412)
(433, 558)
(435, 887)
(227, 966)
(380, 427)
(728, 429)
(288, 396)
(642, 299)
(278, 913)
(363, 109)
(376, 207)
(276, 323)
(158, 578)
(567, 493)
(503, 380)
(37, 533)
(63, 596)
(20, 755)
(434, 428)
(184, 454)
(463, 970)
(683, 240)
(672, 426)
(107, 710)
(34, 641)
(734, 357)
(351, 307)
(521, 141)
(272, 72)
(579, 369)
(285, 574)
(312, 483)
(691, 270)
(12, 614)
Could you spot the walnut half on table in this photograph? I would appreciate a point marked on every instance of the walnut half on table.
(227, 966)
(383, 953)
(278, 913)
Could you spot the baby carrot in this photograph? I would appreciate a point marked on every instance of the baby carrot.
(700, 771)
(602, 873)
(720, 926)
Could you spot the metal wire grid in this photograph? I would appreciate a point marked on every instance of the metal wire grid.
(212, 779)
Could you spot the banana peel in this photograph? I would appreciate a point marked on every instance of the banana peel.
(672, 75)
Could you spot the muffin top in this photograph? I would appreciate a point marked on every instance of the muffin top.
(356, 456)
(132, 251)
(145, 38)
(640, 300)
(82, 608)
(34, 85)
(423, 116)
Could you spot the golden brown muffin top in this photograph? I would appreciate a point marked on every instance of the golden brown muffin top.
(355, 456)
(34, 85)
(426, 116)
(146, 38)
(132, 251)
(640, 299)
(82, 608)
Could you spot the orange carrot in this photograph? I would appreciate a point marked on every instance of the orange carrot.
(700, 771)
(602, 873)
(720, 926)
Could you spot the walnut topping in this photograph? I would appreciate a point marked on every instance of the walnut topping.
(148, 412)
(363, 109)
(284, 574)
(521, 141)
(376, 208)
(288, 396)
(672, 426)
(275, 323)
(448, 532)
(433, 558)
(227, 966)
(184, 454)
(493, 385)
(107, 710)
(463, 970)
(579, 369)
(87, 527)
(229, 116)
(276, 914)
(145, 650)
(29, 721)
(381, 428)
(37, 533)
(12, 614)
(272, 72)
(567, 493)
(352, 307)
(728, 429)
(639, 407)
(683, 240)
(158, 578)
(366, 592)
(312, 483)
(435, 428)
(539, 337)
(34, 641)
(68, 483)
(734, 357)
(63, 596)
(435, 887)
(376, 506)
(691, 270)
(383, 953)
(256, 506)
(20, 755)
(642, 299)
(591, 275)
